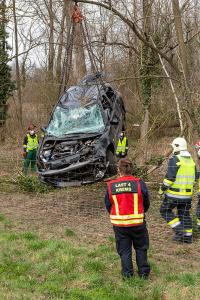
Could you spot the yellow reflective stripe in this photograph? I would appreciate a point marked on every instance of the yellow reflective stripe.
(188, 230)
(176, 220)
(177, 182)
(198, 221)
(180, 193)
(135, 216)
(116, 205)
(168, 181)
(124, 222)
(185, 176)
(135, 195)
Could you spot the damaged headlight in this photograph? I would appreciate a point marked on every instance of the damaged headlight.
(47, 153)
(100, 170)
(99, 175)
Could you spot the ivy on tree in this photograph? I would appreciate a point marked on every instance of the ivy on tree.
(6, 84)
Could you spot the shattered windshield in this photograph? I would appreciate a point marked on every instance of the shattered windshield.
(76, 119)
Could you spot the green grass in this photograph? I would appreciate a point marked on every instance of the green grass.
(32, 267)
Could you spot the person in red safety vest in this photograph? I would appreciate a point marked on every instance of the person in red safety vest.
(127, 200)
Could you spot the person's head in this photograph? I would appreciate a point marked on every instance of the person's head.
(122, 135)
(31, 129)
(197, 146)
(125, 167)
(179, 144)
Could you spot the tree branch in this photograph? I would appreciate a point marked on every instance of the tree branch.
(131, 24)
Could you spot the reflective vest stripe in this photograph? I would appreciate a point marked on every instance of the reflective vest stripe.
(187, 232)
(184, 182)
(116, 205)
(127, 222)
(179, 196)
(127, 217)
(185, 176)
(167, 182)
(135, 200)
(174, 221)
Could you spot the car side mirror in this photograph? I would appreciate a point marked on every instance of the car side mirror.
(114, 121)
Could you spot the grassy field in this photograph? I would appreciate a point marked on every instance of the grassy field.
(58, 244)
(52, 258)
(35, 268)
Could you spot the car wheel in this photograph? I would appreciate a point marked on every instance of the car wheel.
(111, 163)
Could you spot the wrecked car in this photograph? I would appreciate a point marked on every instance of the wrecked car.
(79, 142)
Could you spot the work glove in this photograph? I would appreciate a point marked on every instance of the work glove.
(160, 192)
(24, 154)
(160, 195)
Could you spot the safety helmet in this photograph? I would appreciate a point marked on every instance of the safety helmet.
(179, 144)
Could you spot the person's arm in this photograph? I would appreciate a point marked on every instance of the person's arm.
(25, 143)
(145, 195)
(107, 202)
(126, 145)
(196, 174)
(170, 176)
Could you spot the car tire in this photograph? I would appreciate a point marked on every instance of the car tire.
(112, 167)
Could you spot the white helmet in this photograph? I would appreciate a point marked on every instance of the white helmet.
(179, 144)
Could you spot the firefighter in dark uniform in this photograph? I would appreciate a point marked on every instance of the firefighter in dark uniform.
(127, 200)
(177, 188)
(122, 146)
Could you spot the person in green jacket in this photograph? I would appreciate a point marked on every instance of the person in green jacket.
(30, 149)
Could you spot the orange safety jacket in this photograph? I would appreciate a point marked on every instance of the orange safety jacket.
(126, 202)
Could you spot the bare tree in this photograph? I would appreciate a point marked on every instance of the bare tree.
(18, 77)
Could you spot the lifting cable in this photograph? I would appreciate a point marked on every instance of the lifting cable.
(76, 18)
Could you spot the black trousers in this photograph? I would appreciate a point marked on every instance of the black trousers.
(136, 236)
(198, 208)
(183, 211)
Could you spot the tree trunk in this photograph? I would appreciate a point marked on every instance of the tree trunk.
(60, 48)
(187, 103)
(146, 80)
(51, 54)
(180, 38)
(18, 79)
(79, 55)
